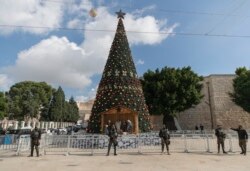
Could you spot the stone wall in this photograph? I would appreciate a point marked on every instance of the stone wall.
(199, 114)
(156, 122)
(227, 113)
(216, 107)
(85, 109)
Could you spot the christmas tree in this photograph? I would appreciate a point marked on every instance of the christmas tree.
(119, 85)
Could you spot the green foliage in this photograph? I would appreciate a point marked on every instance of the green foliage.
(28, 98)
(61, 110)
(241, 71)
(45, 112)
(241, 84)
(56, 109)
(3, 106)
(71, 111)
(169, 91)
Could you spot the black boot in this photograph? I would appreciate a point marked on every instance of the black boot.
(115, 150)
(37, 151)
(108, 152)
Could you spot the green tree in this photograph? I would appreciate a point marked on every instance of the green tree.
(169, 90)
(30, 104)
(119, 85)
(57, 106)
(45, 111)
(71, 111)
(241, 84)
(28, 98)
(3, 105)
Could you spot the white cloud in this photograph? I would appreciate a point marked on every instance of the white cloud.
(80, 8)
(98, 43)
(58, 61)
(150, 29)
(140, 30)
(81, 98)
(29, 13)
(139, 12)
(90, 95)
(5, 82)
(75, 23)
(54, 60)
(140, 62)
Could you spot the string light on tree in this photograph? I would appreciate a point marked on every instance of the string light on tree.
(119, 83)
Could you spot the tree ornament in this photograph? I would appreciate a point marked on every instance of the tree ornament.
(93, 13)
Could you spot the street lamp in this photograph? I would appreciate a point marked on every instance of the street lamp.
(210, 105)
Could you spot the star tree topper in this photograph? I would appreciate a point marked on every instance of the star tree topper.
(120, 14)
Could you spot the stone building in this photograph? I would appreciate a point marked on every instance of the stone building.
(216, 108)
(85, 109)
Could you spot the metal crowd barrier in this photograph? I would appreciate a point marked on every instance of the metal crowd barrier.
(141, 143)
(23, 144)
(8, 142)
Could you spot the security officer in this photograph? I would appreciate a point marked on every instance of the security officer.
(220, 138)
(165, 138)
(35, 141)
(243, 138)
(112, 139)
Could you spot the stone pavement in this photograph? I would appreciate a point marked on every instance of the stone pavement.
(127, 162)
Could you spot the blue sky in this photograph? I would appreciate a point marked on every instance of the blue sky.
(216, 40)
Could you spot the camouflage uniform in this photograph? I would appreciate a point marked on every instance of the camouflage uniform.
(243, 138)
(35, 138)
(112, 133)
(165, 139)
(220, 139)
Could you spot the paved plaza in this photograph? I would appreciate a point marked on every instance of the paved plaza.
(127, 162)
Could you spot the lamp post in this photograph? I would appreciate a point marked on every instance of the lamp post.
(209, 104)
(61, 112)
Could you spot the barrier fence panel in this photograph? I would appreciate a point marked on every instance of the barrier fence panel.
(178, 143)
(212, 143)
(235, 143)
(128, 143)
(8, 142)
(149, 143)
(56, 143)
(85, 144)
(142, 143)
(196, 142)
(23, 144)
(100, 144)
